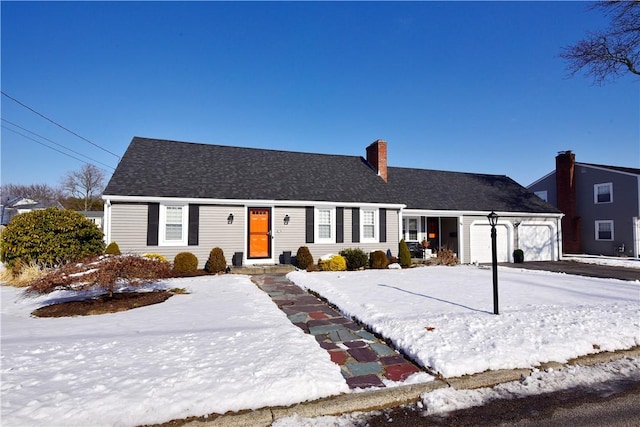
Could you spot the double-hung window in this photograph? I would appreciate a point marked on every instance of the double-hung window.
(603, 193)
(604, 230)
(325, 224)
(369, 225)
(173, 225)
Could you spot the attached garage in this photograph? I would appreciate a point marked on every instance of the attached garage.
(537, 240)
(480, 242)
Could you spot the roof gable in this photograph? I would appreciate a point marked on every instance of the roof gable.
(622, 169)
(161, 168)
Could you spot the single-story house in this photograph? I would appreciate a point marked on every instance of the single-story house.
(260, 205)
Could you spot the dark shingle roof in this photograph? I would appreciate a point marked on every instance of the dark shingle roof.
(161, 168)
(443, 190)
(614, 168)
(153, 167)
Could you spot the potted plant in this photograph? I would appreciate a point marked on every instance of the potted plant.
(518, 256)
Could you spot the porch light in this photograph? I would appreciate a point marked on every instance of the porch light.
(493, 220)
(286, 219)
(230, 219)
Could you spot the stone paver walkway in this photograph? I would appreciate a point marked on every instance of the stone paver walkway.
(364, 359)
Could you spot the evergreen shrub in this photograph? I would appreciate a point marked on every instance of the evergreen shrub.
(356, 258)
(304, 258)
(378, 260)
(404, 254)
(112, 249)
(49, 237)
(216, 262)
(185, 263)
(332, 263)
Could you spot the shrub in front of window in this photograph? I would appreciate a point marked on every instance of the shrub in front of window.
(332, 262)
(185, 263)
(356, 258)
(304, 258)
(378, 260)
(112, 249)
(403, 254)
(49, 237)
(216, 262)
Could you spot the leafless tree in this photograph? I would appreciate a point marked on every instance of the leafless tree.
(607, 54)
(43, 193)
(85, 184)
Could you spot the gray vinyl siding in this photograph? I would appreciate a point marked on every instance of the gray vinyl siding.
(547, 184)
(290, 237)
(621, 211)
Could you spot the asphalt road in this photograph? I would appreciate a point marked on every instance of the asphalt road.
(605, 404)
(581, 269)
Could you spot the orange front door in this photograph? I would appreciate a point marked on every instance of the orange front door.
(259, 233)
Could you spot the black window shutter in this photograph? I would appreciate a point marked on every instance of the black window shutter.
(423, 220)
(339, 225)
(355, 225)
(194, 224)
(383, 225)
(309, 224)
(153, 222)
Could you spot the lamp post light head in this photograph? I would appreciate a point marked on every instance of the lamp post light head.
(493, 218)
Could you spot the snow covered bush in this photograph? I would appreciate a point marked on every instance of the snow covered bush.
(49, 237)
(216, 262)
(356, 258)
(332, 262)
(104, 273)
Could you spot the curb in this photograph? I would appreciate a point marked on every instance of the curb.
(391, 397)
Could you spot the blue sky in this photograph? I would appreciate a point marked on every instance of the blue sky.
(463, 86)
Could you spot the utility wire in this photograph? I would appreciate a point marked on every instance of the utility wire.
(52, 148)
(53, 142)
(58, 124)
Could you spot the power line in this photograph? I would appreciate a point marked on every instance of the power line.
(59, 125)
(49, 140)
(52, 148)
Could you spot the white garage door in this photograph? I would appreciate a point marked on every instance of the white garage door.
(537, 241)
(480, 243)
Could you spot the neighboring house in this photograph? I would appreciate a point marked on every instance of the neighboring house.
(260, 205)
(601, 206)
(94, 216)
(14, 205)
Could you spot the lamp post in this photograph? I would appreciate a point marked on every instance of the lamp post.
(493, 220)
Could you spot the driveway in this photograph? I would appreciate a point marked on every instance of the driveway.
(581, 269)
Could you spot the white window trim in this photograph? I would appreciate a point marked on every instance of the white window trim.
(316, 225)
(543, 195)
(597, 229)
(595, 192)
(162, 241)
(376, 226)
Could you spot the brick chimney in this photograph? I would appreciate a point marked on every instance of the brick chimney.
(566, 194)
(377, 157)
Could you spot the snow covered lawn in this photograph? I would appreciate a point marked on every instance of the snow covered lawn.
(443, 316)
(223, 347)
